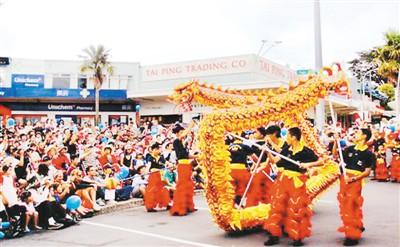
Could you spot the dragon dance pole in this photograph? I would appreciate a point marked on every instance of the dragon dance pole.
(334, 122)
(267, 149)
(251, 179)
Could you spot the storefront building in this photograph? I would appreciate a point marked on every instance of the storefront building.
(156, 82)
(36, 89)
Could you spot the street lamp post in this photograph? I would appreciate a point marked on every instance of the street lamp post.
(273, 44)
(320, 108)
(397, 97)
(369, 72)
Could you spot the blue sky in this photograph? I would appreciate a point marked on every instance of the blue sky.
(153, 32)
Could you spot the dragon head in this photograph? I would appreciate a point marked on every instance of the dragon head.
(339, 83)
(183, 95)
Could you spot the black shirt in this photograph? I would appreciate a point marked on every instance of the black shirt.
(358, 160)
(154, 163)
(180, 150)
(304, 156)
(239, 152)
(378, 143)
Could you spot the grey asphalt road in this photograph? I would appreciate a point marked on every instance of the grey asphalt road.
(135, 227)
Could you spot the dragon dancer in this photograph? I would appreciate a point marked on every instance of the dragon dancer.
(290, 202)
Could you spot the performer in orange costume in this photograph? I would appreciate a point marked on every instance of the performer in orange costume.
(381, 171)
(260, 188)
(395, 164)
(184, 192)
(290, 196)
(156, 194)
(239, 173)
(358, 160)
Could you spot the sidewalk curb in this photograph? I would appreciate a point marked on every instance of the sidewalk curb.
(132, 203)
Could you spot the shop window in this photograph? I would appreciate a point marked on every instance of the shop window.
(61, 81)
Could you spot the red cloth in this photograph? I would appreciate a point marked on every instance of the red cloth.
(59, 160)
(289, 207)
(260, 188)
(381, 171)
(183, 195)
(350, 203)
(240, 179)
(395, 168)
(103, 159)
(156, 194)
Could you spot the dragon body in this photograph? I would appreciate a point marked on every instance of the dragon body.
(237, 111)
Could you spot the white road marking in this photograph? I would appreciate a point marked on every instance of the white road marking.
(182, 241)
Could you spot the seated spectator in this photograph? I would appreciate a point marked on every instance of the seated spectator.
(86, 191)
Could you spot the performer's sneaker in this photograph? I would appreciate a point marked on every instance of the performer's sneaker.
(298, 243)
(152, 210)
(272, 241)
(350, 242)
(362, 229)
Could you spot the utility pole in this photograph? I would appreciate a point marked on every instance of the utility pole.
(320, 108)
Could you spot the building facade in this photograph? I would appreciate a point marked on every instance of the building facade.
(36, 89)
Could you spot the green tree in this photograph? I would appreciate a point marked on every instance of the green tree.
(387, 57)
(96, 61)
(388, 90)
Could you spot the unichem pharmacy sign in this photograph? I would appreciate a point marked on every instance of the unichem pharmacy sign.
(27, 81)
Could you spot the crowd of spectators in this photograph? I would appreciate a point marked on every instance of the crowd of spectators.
(42, 164)
(385, 143)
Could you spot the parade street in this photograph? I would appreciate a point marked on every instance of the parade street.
(135, 227)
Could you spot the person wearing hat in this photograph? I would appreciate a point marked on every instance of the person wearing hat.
(184, 192)
(60, 160)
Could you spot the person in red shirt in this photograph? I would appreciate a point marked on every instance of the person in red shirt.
(106, 157)
(60, 159)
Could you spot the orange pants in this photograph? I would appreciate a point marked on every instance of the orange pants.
(289, 207)
(241, 177)
(260, 188)
(395, 168)
(156, 194)
(183, 195)
(381, 171)
(350, 203)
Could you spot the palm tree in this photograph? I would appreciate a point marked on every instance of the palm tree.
(96, 62)
(388, 56)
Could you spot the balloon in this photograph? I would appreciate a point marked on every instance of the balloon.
(124, 172)
(104, 139)
(4, 225)
(137, 107)
(2, 235)
(283, 132)
(11, 122)
(392, 128)
(101, 125)
(343, 143)
(73, 202)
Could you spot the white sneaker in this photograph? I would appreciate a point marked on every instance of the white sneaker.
(52, 221)
(100, 202)
(96, 207)
(27, 229)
